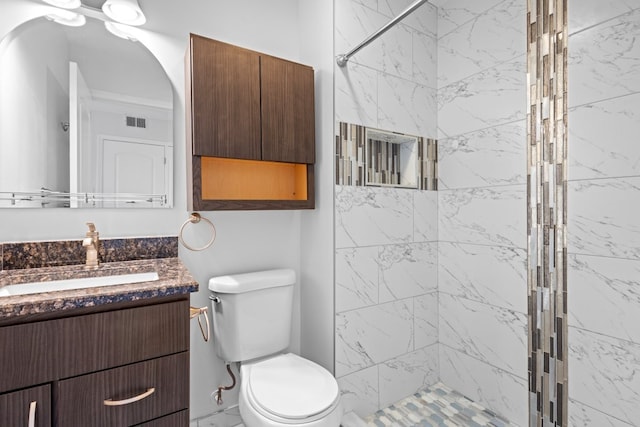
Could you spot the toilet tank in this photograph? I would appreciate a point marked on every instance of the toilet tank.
(252, 313)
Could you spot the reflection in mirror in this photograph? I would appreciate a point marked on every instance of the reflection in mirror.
(86, 119)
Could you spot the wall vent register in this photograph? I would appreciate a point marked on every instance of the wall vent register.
(136, 122)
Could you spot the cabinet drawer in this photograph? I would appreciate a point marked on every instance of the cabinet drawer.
(127, 395)
(179, 419)
(105, 340)
(16, 407)
(40, 352)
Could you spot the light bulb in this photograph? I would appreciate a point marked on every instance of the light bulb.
(124, 11)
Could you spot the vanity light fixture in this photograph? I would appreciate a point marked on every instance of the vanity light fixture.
(65, 4)
(120, 30)
(66, 17)
(126, 12)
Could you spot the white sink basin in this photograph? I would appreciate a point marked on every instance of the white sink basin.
(67, 284)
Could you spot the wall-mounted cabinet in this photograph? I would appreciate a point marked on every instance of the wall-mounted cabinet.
(250, 129)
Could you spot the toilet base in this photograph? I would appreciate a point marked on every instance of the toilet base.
(251, 418)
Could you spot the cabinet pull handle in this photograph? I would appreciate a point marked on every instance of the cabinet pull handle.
(149, 392)
(32, 414)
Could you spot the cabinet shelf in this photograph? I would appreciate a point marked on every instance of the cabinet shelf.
(234, 184)
(232, 179)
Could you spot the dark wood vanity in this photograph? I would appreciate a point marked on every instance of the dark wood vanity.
(109, 356)
(122, 367)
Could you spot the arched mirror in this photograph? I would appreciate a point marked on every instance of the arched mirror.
(86, 119)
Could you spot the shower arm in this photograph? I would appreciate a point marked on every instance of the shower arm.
(343, 58)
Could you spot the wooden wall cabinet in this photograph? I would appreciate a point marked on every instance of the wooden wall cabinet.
(124, 367)
(250, 129)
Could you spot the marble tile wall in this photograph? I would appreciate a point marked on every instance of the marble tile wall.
(604, 196)
(386, 239)
(390, 84)
(480, 208)
(482, 256)
(386, 294)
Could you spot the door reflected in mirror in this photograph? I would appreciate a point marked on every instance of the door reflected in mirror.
(86, 119)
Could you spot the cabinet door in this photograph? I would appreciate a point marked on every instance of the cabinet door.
(179, 419)
(225, 100)
(125, 396)
(26, 408)
(288, 122)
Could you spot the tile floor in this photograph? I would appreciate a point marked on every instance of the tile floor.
(437, 406)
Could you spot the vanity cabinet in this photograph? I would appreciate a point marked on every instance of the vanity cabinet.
(29, 407)
(124, 367)
(250, 129)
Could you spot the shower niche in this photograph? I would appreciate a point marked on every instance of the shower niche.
(391, 159)
(375, 157)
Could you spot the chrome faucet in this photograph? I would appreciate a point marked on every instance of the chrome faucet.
(92, 243)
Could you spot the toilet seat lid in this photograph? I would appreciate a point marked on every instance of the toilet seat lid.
(291, 387)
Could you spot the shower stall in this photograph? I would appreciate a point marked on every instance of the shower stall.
(476, 287)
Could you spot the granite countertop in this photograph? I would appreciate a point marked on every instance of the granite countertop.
(174, 279)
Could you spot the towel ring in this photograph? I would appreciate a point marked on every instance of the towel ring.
(195, 218)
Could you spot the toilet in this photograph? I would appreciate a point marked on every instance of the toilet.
(252, 325)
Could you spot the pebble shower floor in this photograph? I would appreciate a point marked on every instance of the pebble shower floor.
(436, 406)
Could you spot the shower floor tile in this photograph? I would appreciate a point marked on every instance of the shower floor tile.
(436, 406)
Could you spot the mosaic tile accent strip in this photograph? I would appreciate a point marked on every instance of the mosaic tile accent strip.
(428, 163)
(23, 255)
(436, 406)
(382, 160)
(547, 37)
(350, 154)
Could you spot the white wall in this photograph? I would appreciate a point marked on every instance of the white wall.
(316, 242)
(118, 66)
(246, 240)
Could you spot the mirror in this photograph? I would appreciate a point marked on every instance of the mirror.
(86, 119)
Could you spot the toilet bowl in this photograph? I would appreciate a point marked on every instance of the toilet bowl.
(288, 390)
(252, 325)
